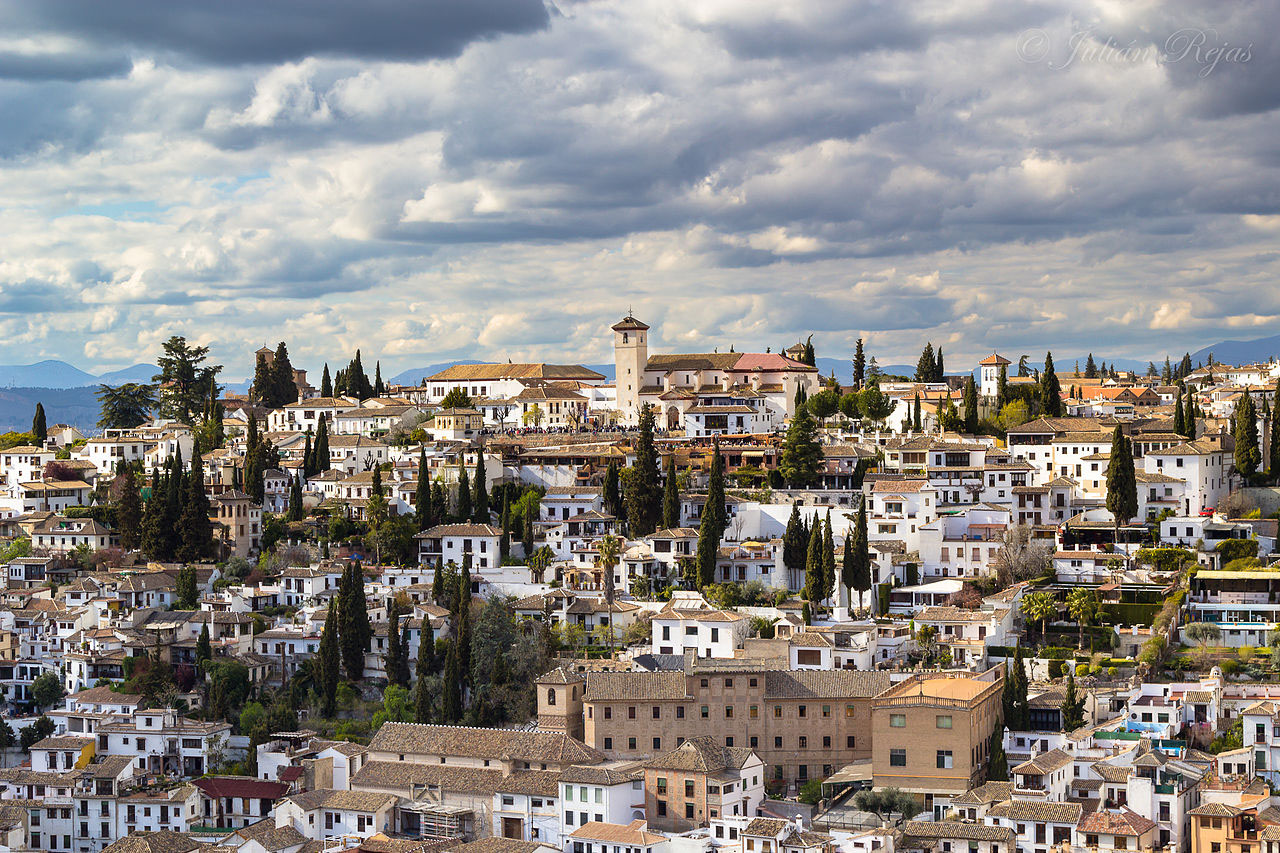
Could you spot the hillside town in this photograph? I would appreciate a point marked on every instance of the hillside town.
(709, 604)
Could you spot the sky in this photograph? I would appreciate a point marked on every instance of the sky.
(504, 178)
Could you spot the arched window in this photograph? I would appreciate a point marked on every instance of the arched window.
(551, 696)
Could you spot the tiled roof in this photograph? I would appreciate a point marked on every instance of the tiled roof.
(459, 530)
(531, 746)
(153, 842)
(1037, 810)
(703, 755)
(1123, 822)
(241, 786)
(990, 792)
(515, 371)
(820, 684)
(1045, 762)
(611, 686)
(404, 775)
(955, 830)
(633, 834)
(355, 801)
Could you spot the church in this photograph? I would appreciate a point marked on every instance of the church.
(704, 394)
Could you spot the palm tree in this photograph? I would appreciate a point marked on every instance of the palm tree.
(608, 549)
(1039, 606)
(1082, 604)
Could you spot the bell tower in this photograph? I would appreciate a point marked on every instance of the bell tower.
(630, 355)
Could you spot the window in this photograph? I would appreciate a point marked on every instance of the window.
(944, 721)
(804, 742)
(849, 741)
(688, 788)
(631, 743)
(898, 721)
(728, 712)
(657, 743)
(631, 712)
(608, 743)
(802, 711)
(777, 743)
(826, 711)
(826, 741)
(728, 684)
(657, 712)
(944, 759)
(848, 710)
(777, 712)
(897, 758)
(753, 712)
(755, 741)
(679, 712)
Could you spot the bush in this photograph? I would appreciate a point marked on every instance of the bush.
(1235, 549)
(1057, 653)
(1112, 672)
(1165, 559)
(1230, 666)
(811, 792)
(1055, 668)
(1082, 669)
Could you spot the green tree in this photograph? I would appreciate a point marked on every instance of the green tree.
(1122, 482)
(423, 667)
(125, 406)
(1002, 387)
(1083, 606)
(1179, 419)
(874, 404)
(204, 649)
(504, 521)
(823, 404)
(480, 493)
(283, 388)
(1090, 372)
(329, 662)
(1273, 463)
(462, 618)
(186, 379)
(188, 593)
(1189, 416)
(611, 492)
(464, 495)
(794, 540)
(7, 738)
(859, 365)
(1072, 706)
(643, 484)
(196, 527)
(321, 450)
(828, 559)
(801, 453)
(38, 426)
(395, 657)
(670, 496)
(1247, 455)
(263, 391)
(456, 399)
(128, 507)
(422, 494)
(997, 761)
(356, 632)
(857, 555)
(326, 382)
(1050, 390)
(1021, 707)
(814, 575)
(47, 689)
(884, 803)
(1038, 607)
(970, 405)
(926, 365)
(451, 688)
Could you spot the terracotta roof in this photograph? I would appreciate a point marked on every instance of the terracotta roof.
(459, 530)
(402, 776)
(702, 755)
(955, 830)
(531, 746)
(633, 834)
(508, 370)
(1037, 810)
(153, 842)
(355, 801)
(241, 786)
(1123, 822)
(612, 686)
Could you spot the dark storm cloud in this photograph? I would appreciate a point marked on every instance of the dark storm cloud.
(251, 31)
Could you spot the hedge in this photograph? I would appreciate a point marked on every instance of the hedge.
(1234, 549)
(101, 514)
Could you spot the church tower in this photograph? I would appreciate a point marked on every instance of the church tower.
(630, 355)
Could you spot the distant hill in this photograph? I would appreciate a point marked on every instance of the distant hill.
(136, 373)
(414, 375)
(45, 374)
(75, 406)
(1238, 352)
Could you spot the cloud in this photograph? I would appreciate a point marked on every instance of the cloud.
(494, 179)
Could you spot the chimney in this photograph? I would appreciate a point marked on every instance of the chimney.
(800, 823)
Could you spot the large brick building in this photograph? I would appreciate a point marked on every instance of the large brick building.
(932, 733)
(803, 724)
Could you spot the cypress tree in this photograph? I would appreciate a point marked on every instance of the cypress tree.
(480, 493)
(329, 657)
(1189, 416)
(378, 388)
(129, 508)
(670, 497)
(356, 630)
(997, 761)
(422, 494)
(326, 384)
(1166, 375)
(526, 534)
(715, 490)
(861, 552)
(439, 503)
(38, 426)
(970, 405)
(793, 545)
(504, 542)
(1050, 390)
(464, 495)
(297, 511)
(1022, 710)
(187, 591)
(263, 391)
(708, 547)
(939, 368)
(1002, 388)
(801, 452)
(395, 654)
(847, 568)
(464, 618)
(926, 366)
(282, 384)
(813, 567)
(644, 487)
(917, 422)
(1072, 706)
(451, 689)
(1122, 482)
(197, 529)
(308, 459)
(1179, 421)
(422, 673)
(611, 492)
(204, 649)
(322, 446)
(153, 531)
(1247, 455)
(859, 365)
(437, 586)
(1273, 466)
(1090, 369)
(828, 558)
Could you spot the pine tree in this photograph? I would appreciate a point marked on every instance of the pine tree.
(326, 384)
(1247, 455)
(38, 426)
(859, 365)
(801, 453)
(194, 522)
(1184, 367)
(395, 654)
(329, 660)
(611, 492)
(670, 497)
(480, 494)
(464, 495)
(643, 496)
(1090, 369)
(1050, 390)
(1166, 374)
(129, 508)
(926, 366)
(970, 405)
(422, 494)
